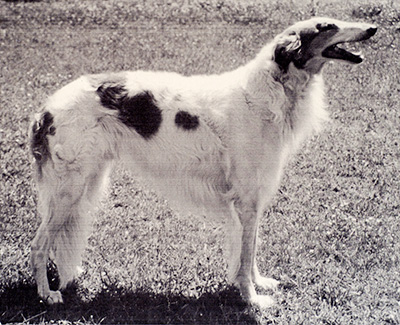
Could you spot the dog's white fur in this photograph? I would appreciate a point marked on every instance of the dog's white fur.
(228, 167)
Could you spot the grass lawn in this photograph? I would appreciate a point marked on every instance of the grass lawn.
(332, 235)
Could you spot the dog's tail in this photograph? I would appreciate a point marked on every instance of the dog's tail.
(40, 129)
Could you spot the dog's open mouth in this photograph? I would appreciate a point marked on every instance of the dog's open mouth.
(340, 53)
(347, 50)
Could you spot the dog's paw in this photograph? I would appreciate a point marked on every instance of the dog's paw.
(262, 301)
(266, 283)
(54, 297)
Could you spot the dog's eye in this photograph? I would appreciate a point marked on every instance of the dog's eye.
(325, 27)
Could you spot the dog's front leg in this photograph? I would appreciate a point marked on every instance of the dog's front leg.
(258, 279)
(249, 220)
(233, 243)
(262, 281)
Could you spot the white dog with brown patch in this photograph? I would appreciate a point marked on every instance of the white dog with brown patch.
(213, 145)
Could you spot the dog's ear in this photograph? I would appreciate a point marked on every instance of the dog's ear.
(287, 49)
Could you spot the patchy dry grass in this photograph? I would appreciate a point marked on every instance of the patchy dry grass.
(332, 236)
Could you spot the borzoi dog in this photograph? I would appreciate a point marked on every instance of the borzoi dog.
(213, 145)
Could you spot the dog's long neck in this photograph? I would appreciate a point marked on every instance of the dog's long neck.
(293, 98)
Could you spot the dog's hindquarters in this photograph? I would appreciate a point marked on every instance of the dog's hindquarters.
(71, 172)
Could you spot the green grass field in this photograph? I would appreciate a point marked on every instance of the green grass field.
(332, 235)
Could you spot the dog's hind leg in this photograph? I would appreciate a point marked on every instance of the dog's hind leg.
(66, 201)
(40, 248)
(58, 203)
(71, 239)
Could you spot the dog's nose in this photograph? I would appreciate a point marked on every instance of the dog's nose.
(372, 30)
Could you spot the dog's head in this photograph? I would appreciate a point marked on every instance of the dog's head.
(311, 43)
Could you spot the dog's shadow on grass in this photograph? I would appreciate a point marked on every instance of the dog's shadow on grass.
(19, 303)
